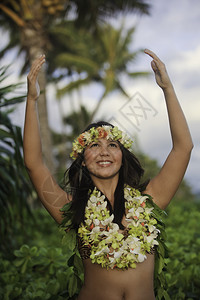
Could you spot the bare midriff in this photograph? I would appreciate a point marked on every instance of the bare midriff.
(131, 284)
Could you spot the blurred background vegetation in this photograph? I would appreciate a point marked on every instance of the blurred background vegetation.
(81, 47)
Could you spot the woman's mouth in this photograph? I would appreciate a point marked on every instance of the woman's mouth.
(104, 163)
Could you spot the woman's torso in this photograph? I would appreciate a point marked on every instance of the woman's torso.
(130, 284)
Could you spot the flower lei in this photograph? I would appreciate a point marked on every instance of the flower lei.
(93, 134)
(109, 247)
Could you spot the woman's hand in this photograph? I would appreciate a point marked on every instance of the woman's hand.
(160, 71)
(33, 86)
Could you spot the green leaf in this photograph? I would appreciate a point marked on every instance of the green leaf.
(24, 266)
(161, 249)
(33, 251)
(78, 264)
(70, 239)
(53, 287)
(18, 262)
(72, 285)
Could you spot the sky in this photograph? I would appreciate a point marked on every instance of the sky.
(172, 32)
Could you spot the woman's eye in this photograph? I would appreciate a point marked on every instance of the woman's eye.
(94, 145)
(114, 145)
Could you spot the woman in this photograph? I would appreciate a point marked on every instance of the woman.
(117, 228)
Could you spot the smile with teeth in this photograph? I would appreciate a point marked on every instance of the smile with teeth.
(104, 163)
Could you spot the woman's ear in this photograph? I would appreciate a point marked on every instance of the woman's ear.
(83, 164)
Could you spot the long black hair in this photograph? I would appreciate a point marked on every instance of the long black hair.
(79, 183)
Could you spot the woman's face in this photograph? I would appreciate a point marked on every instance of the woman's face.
(103, 158)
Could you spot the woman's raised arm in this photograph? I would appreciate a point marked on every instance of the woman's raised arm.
(165, 184)
(51, 195)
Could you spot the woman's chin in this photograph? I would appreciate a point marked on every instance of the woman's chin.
(104, 174)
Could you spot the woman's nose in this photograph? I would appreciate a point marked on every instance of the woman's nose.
(104, 150)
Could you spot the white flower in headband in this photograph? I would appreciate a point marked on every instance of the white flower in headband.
(93, 134)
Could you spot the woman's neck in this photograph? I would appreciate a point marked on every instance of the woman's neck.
(107, 187)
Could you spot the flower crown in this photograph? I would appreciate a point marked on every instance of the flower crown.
(93, 134)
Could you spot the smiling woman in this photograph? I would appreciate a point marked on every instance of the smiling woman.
(116, 218)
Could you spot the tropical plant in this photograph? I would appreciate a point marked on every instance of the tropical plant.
(26, 21)
(183, 241)
(15, 187)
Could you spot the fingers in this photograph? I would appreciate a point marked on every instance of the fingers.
(154, 66)
(39, 60)
(156, 62)
(152, 54)
(36, 66)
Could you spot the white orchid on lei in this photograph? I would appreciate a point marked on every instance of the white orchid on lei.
(114, 249)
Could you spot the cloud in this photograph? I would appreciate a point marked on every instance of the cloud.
(187, 61)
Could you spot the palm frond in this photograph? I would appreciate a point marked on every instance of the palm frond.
(78, 62)
(139, 74)
(72, 86)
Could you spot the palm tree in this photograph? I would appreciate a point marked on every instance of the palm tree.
(27, 20)
(116, 59)
(104, 59)
(28, 23)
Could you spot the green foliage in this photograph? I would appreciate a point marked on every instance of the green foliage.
(82, 115)
(183, 236)
(43, 268)
(15, 186)
(161, 253)
(38, 273)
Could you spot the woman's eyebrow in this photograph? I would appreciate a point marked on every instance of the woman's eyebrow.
(112, 141)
